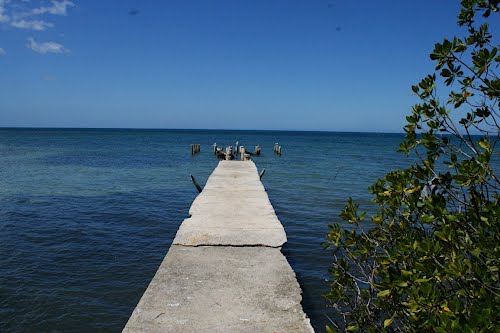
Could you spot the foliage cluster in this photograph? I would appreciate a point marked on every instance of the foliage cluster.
(428, 260)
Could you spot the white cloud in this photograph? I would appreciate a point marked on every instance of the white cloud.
(57, 8)
(2, 52)
(3, 17)
(34, 25)
(20, 14)
(15, 14)
(45, 47)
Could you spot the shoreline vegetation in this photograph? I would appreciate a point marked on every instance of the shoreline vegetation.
(428, 260)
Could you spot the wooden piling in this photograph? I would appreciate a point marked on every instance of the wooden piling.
(198, 187)
(257, 150)
(220, 153)
(242, 151)
(277, 149)
(195, 148)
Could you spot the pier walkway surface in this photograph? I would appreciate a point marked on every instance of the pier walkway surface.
(225, 271)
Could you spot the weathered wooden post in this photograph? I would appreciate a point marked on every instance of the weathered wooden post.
(257, 150)
(242, 151)
(236, 148)
(195, 148)
(220, 153)
(198, 187)
(277, 149)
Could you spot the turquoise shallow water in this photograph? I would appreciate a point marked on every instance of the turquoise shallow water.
(86, 216)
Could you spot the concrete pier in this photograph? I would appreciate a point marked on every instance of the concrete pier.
(225, 271)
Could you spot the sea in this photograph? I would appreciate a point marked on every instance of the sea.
(87, 215)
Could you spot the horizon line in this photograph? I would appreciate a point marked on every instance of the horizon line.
(198, 129)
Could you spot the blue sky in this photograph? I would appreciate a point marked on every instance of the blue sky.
(333, 65)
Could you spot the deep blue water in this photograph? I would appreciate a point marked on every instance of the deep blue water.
(86, 216)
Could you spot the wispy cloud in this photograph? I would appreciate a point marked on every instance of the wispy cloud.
(24, 14)
(57, 8)
(16, 15)
(2, 52)
(45, 47)
(33, 25)
(3, 17)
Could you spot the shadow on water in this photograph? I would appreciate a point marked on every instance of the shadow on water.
(313, 287)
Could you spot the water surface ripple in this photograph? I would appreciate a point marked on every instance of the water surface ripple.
(86, 216)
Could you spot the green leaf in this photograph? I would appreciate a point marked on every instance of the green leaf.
(460, 48)
(440, 235)
(422, 280)
(329, 329)
(445, 72)
(420, 247)
(406, 273)
(384, 293)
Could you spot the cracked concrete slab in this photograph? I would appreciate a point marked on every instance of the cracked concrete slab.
(225, 271)
(233, 209)
(221, 289)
